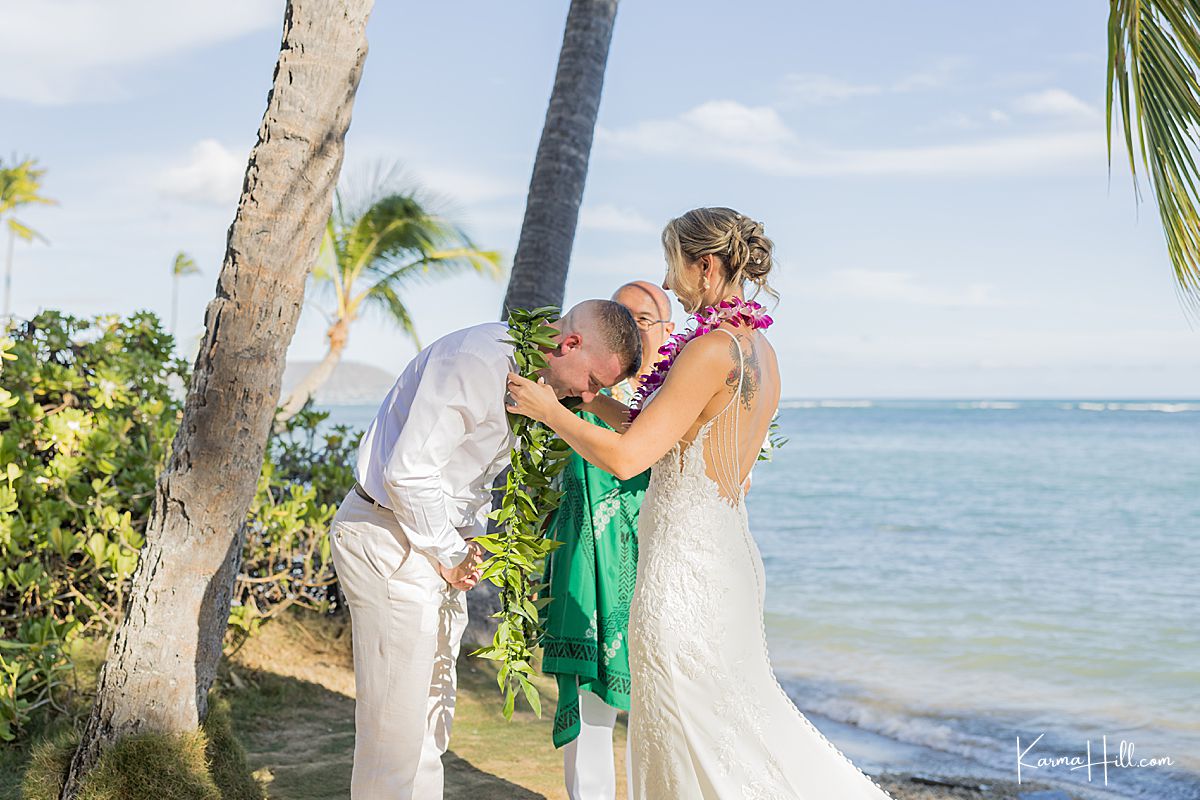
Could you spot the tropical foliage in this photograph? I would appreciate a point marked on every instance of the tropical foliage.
(20, 185)
(307, 471)
(386, 240)
(87, 421)
(1153, 52)
(519, 546)
(88, 410)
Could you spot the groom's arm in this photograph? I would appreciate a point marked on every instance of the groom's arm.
(614, 413)
(445, 410)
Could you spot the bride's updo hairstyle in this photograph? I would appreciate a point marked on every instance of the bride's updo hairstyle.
(739, 241)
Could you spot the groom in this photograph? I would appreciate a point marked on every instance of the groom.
(401, 539)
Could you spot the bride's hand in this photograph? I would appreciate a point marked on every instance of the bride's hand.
(534, 400)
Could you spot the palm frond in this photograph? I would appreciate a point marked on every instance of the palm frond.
(383, 236)
(20, 185)
(389, 301)
(184, 265)
(437, 266)
(23, 231)
(1153, 58)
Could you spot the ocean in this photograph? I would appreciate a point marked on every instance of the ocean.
(953, 583)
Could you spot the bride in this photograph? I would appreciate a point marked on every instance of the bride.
(708, 718)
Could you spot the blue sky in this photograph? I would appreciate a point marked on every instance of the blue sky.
(933, 173)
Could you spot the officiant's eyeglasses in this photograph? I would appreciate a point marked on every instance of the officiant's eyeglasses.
(645, 323)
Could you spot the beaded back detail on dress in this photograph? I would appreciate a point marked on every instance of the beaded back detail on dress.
(721, 438)
(708, 718)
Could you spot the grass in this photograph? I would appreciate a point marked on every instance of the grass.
(284, 714)
(291, 690)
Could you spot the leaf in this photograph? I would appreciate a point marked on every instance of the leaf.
(1153, 57)
(531, 695)
(510, 700)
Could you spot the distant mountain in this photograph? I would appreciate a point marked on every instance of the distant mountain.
(351, 384)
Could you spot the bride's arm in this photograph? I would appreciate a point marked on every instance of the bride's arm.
(697, 374)
(614, 413)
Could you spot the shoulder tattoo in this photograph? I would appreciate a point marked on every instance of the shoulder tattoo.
(747, 369)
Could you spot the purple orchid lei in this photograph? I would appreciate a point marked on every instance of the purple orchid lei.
(736, 311)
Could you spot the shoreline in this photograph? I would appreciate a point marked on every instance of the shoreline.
(921, 771)
(489, 757)
(921, 786)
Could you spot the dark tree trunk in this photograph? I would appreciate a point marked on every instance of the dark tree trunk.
(539, 272)
(164, 655)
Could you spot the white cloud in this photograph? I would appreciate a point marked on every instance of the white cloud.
(1054, 103)
(212, 175)
(730, 121)
(467, 186)
(758, 138)
(955, 120)
(811, 88)
(903, 287)
(814, 89)
(941, 73)
(62, 51)
(614, 219)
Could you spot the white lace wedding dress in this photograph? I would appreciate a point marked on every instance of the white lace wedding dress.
(708, 718)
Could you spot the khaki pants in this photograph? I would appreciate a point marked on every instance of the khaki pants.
(407, 624)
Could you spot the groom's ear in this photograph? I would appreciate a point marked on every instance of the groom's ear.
(570, 341)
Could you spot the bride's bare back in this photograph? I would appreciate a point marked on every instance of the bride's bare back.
(739, 414)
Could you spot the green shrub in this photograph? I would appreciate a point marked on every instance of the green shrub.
(307, 470)
(88, 409)
(86, 418)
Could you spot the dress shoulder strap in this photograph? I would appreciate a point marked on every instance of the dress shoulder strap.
(722, 441)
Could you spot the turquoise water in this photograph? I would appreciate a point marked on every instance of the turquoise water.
(955, 574)
(947, 576)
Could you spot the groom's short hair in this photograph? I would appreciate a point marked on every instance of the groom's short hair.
(616, 328)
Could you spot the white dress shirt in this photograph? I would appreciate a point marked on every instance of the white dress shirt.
(439, 440)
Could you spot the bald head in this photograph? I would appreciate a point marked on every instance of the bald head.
(643, 295)
(651, 309)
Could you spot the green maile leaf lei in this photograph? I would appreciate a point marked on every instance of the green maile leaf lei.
(519, 546)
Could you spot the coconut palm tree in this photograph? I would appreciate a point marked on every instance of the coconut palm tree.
(1153, 58)
(20, 185)
(184, 265)
(539, 272)
(163, 656)
(374, 248)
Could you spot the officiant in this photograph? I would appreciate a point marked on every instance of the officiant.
(591, 578)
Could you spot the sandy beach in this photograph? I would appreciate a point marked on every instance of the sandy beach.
(292, 690)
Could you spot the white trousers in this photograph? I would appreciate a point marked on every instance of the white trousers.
(407, 624)
(588, 758)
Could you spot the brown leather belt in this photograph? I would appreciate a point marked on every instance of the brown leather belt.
(361, 492)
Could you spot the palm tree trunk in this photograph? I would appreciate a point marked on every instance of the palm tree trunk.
(539, 272)
(8, 264)
(164, 655)
(338, 335)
